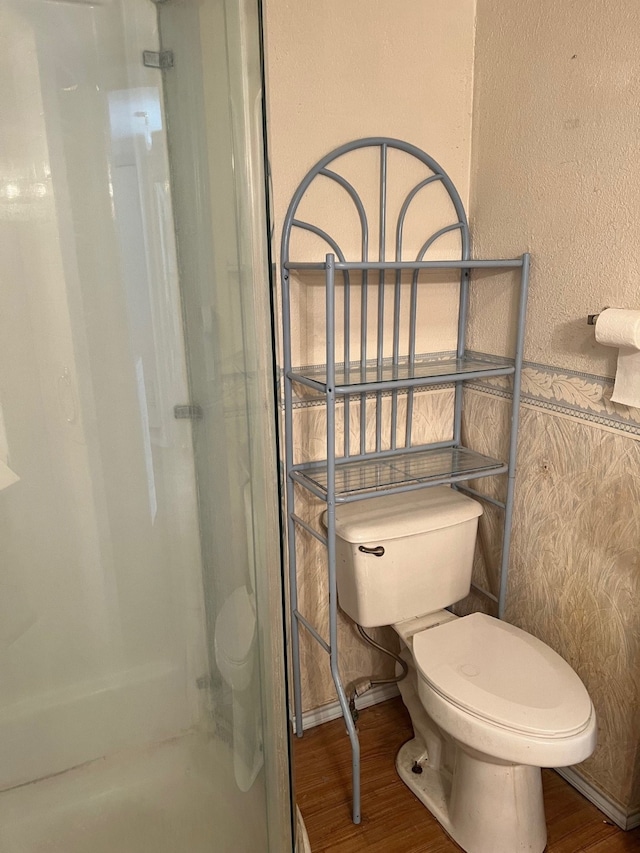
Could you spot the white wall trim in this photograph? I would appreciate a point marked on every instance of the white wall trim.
(332, 711)
(606, 805)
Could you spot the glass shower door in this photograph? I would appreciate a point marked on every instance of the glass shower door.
(213, 99)
(140, 629)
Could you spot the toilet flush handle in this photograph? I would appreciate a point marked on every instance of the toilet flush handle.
(378, 551)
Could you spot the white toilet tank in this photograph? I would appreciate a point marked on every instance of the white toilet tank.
(405, 555)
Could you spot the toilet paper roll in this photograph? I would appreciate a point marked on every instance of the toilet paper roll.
(620, 327)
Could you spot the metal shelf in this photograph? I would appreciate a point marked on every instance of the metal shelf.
(398, 472)
(356, 378)
(380, 311)
(464, 264)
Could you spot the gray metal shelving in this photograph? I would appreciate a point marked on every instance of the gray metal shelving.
(368, 365)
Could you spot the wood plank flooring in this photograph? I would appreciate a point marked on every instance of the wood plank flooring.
(394, 821)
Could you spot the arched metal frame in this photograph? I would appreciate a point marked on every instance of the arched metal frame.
(357, 476)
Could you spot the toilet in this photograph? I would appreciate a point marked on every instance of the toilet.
(235, 640)
(236, 655)
(490, 704)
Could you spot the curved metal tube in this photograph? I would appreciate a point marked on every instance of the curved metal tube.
(369, 142)
(350, 189)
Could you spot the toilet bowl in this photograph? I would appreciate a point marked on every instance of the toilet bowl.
(507, 705)
(490, 704)
(235, 644)
(235, 637)
(499, 690)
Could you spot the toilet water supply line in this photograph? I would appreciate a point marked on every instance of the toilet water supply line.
(362, 685)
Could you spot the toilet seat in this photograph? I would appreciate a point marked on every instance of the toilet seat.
(503, 676)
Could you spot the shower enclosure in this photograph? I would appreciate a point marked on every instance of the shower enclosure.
(142, 696)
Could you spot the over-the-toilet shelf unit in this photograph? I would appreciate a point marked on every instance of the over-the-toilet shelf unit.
(352, 378)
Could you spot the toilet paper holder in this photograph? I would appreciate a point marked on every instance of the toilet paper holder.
(592, 319)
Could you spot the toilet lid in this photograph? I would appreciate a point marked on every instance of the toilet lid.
(500, 673)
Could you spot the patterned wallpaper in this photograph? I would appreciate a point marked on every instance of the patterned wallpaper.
(574, 578)
(575, 560)
(432, 422)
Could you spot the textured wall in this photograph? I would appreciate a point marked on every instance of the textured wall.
(555, 172)
(555, 166)
(336, 72)
(340, 71)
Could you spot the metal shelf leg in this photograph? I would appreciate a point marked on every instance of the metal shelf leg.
(513, 437)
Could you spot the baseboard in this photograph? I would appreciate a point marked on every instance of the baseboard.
(332, 711)
(625, 820)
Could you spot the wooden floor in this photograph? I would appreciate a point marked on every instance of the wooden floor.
(393, 820)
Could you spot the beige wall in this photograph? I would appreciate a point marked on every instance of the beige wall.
(555, 171)
(555, 166)
(335, 72)
(341, 71)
